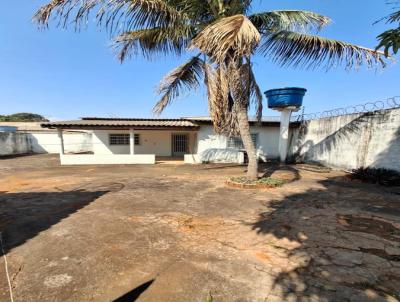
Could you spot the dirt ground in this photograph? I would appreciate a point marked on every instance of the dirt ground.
(178, 233)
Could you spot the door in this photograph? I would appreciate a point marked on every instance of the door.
(180, 144)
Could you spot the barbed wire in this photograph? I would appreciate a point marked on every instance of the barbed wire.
(389, 103)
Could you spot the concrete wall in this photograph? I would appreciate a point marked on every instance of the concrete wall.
(14, 143)
(213, 148)
(43, 142)
(350, 141)
(74, 142)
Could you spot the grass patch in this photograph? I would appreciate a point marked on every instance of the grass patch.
(267, 181)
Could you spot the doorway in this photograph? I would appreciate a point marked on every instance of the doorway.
(180, 143)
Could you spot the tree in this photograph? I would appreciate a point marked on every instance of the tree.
(390, 39)
(23, 117)
(225, 37)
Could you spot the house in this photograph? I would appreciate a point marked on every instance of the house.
(144, 141)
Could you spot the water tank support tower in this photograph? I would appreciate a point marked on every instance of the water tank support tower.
(285, 100)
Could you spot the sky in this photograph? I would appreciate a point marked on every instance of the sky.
(63, 74)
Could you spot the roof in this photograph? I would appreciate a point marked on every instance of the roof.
(148, 123)
(267, 119)
(30, 127)
(272, 121)
(124, 123)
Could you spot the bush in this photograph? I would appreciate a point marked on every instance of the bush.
(380, 176)
(268, 181)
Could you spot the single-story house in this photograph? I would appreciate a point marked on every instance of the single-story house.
(144, 141)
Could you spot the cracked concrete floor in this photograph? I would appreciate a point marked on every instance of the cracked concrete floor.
(177, 233)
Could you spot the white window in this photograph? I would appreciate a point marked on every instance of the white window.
(119, 139)
(236, 142)
(123, 139)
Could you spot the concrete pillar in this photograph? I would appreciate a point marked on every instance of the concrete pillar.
(284, 134)
(60, 136)
(132, 141)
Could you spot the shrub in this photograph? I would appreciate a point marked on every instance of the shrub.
(385, 177)
(269, 181)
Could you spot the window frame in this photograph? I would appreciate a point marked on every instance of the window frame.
(119, 139)
(136, 139)
(237, 143)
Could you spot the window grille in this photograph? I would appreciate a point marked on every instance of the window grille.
(137, 139)
(237, 143)
(119, 139)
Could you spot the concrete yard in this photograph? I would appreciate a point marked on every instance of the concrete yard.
(178, 233)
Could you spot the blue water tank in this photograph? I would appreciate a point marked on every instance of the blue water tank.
(285, 97)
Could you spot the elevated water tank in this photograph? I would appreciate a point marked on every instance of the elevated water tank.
(285, 100)
(285, 97)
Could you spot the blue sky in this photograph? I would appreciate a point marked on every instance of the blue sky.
(65, 75)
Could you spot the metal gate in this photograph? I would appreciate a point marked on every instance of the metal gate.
(179, 144)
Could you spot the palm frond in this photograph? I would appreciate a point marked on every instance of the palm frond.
(239, 82)
(197, 11)
(256, 95)
(234, 35)
(184, 77)
(113, 14)
(151, 41)
(289, 48)
(43, 14)
(389, 39)
(394, 17)
(236, 7)
(216, 104)
(297, 20)
(220, 101)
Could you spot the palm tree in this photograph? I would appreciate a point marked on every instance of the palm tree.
(223, 37)
(390, 39)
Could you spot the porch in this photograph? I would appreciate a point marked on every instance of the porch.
(132, 142)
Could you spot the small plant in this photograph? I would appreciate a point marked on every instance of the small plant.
(380, 176)
(209, 298)
(268, 181)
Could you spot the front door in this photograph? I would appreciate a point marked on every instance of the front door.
(180, 143)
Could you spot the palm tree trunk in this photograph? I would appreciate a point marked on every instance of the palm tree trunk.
(244, 129)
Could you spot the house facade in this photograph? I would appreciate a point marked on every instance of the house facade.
(146, 141)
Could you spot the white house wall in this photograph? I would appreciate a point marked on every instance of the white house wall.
(213, 148)
(101, 144)
(158, 142)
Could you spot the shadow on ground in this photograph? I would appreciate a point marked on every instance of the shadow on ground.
(134, 294)
(341, 243)
(276, 169)
(24, 215)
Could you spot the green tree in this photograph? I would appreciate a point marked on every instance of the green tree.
(390, 39)
(23, 117)
(223, 36)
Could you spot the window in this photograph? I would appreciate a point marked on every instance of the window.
(137, 139)
(236, 142)
(123, 139)
(119, 139)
